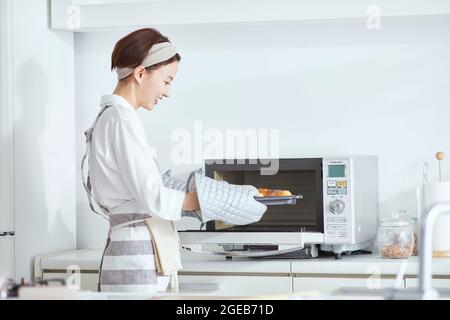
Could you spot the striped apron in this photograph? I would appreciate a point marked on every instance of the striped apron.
(128, 262)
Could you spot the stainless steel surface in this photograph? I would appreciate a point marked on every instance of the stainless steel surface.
(272, 201)
(244, 253)
(250, 238)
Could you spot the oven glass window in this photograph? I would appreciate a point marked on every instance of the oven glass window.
(301, 216)
(336, 171)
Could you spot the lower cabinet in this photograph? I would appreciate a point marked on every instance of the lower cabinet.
(326, 285)
(435, 283)
(85, 281)
(248, 285)
(198, 284)
(441, 285)
(229, 285)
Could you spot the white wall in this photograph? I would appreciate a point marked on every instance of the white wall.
(335, 89)
(44, 141)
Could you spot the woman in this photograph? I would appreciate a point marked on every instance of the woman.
(124, 174)
(123, 171)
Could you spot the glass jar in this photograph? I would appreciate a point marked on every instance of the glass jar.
(402, 215)
(395, 239)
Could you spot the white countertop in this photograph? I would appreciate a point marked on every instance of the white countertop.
(86, 259)
(367, 264)
(193, 262)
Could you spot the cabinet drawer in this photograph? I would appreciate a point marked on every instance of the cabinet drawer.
(234, 285)
(88, 281)
(333, 285)
(441, 285)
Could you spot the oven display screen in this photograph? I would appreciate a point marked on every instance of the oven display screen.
(336, 171)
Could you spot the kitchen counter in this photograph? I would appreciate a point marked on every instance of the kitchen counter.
(368, 264)
(365, 276)
(199, 263)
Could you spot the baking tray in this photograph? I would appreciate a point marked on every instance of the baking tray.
(274, 201)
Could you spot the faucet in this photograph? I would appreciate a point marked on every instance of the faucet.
(425, 291)
(426, 250)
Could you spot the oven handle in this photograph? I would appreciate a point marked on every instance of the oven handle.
(244, 253)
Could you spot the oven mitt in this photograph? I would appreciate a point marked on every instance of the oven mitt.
(230, 203)
(173, 183)
(180, 185)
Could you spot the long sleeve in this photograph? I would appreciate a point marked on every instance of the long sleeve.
(140, 172)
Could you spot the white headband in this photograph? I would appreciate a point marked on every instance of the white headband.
(158, 53)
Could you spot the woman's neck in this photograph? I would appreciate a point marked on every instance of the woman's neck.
(128, 93)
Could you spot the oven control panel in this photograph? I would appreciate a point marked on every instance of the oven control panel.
(336, 197)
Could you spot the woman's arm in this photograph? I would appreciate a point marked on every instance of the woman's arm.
(191, 202)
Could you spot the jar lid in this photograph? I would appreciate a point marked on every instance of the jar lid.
(402, 215)
(395, 223)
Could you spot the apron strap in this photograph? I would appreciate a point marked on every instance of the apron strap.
(104, 211)
(87, 181)
(125, 224)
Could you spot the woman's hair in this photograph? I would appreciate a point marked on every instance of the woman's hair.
(130, 51)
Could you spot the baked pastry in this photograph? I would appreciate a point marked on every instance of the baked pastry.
(263, 192)
(278, 193)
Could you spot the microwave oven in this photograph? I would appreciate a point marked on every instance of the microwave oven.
(336, 213)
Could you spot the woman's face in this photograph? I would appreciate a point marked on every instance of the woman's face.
(156, 85)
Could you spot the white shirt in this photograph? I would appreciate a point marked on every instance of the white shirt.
(124, 173)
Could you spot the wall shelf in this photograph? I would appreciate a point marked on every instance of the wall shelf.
(107, 15)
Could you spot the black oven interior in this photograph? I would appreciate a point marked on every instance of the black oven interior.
(300, 176)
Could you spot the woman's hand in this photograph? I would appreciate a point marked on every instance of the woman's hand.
(191, 202)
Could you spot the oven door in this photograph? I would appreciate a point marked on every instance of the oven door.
(300, 176)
